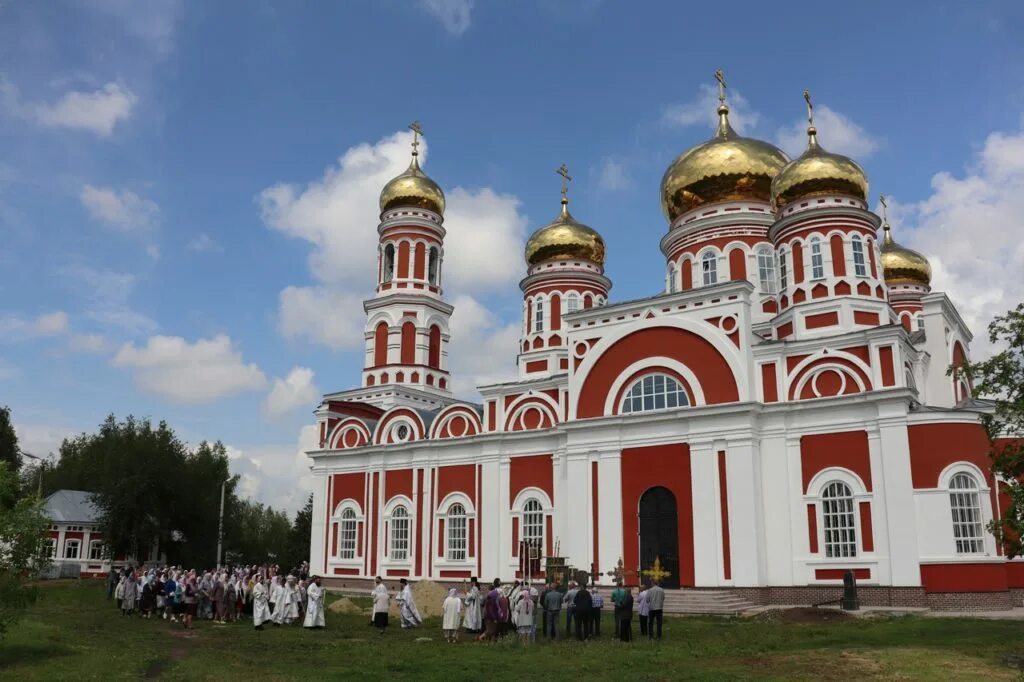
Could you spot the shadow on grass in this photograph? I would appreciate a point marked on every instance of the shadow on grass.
(25, 654)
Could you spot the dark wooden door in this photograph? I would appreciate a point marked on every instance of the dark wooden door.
(659, 534)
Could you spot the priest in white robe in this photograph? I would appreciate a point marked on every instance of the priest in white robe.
(260, 604)
(407, 607)
(314, 605)
(381, 600)
(451, 610)
(473, 622)
(278, 596)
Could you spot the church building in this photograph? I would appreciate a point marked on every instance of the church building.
(779, 413)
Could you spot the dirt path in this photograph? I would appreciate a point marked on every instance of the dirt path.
(178, 651)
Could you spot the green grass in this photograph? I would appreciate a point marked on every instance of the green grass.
(74, 633)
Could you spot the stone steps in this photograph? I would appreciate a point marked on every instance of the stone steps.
(705, 602)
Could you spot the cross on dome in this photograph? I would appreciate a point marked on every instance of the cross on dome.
(720, 77)
(563, 170)
(810, 108)
(416, 132)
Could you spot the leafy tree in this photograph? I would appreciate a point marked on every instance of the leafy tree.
(256, 534)
(298, 539)
(1001, 377)
(9, 451)
(23, 551)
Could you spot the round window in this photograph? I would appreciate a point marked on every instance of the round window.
(402, 432)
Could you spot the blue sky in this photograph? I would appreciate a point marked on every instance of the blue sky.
(187, 190)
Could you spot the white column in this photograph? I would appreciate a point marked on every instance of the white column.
(746, 559)
(707, 537)
(561, 523)
(424, 513)
(609, 511)
(494, 504)
(800, 545)
(894, 489)
(576, 540)
(775, 512)
(317, 550)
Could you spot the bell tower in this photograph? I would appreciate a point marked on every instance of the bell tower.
(407, 320)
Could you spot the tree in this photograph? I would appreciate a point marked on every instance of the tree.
(302, 529)
(1001, 377)
(9, 451)
(23, 552)
(256, 534)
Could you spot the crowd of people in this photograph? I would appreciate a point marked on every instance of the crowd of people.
(227, 595)
(522, 610)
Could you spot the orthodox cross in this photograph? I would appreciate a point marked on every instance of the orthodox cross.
(656, 572)
(720, 77)
(416, 132)
(885, 208)
(620, 572)
(810, 107)
(563, 170)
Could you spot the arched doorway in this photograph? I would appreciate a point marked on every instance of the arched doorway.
(659, 534)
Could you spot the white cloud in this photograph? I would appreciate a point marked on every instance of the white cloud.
(204, 243)
(152, 24)
(41, 440)
(172, 368)
(278, 476)
(107, 296)
(969, 230)
(16, 328)
(124, 211)
(483, 347)
(88, 343)
(97, 112)
(331, 318)
(454, 15)
(484, 245)
(612, 175)
(294, 391)
(836, 133)
(703, 110)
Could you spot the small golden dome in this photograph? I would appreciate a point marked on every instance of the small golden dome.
(413, 189)
(901, 265)
(565, 239)
(726, 167)
(816, 172)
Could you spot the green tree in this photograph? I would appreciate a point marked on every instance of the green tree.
(257, 534)
(1001, 377)
(298, 538)
(23, 550)
(9, 451)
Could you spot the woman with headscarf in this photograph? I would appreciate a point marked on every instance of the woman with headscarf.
(230, 599)
(524, 616)
(451, 610)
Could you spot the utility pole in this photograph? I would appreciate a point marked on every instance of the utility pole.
(220, 525)
(39, 492)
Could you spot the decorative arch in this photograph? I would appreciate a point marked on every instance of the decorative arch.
(716, 364)
(380, 344)
(963, 467)
(737, 262)
(651, 365)
(816, 486)
(528, 493)
(408, 343)
(456, 497)
(396, 416)
(833, 360)
(531, 411)
(456, 421)
(349, 433)
(434, 347)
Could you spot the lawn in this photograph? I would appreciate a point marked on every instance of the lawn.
(74, 633)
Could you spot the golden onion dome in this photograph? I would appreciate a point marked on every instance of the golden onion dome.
(726, 167)
(817, 172)
(901, 265)
(565, 238)
(412, 188)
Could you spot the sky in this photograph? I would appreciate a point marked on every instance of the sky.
(188, 190)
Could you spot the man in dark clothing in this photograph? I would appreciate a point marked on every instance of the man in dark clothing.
(583, 603)
(624, 616)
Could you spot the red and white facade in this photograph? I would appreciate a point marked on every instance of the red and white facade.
(771, 394)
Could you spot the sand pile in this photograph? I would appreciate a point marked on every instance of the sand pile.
(429, 598)
(346, 606)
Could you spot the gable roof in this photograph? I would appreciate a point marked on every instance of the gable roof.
(71, 506)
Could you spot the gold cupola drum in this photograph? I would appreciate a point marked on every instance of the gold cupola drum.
(413, 188)
(565, 238)
(817, 172)
(727, 167)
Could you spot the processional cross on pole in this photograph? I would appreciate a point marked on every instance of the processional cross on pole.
(656, 572)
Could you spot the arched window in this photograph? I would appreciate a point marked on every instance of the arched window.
(347, 535)
(380, 344)
(389, 262)
(859, 267)
(71, 549)
(840, 528)
(966, 508)
(95, 550)
(572, 302)
(533, 523)
(538, 316)
(783, 274)
(766, 269)
(672, 287)
(817, 262)
(434, 347)
(654, 392)
(920, 322)
(399, 534)
(457, 535)
(709, 267)
(432, 265)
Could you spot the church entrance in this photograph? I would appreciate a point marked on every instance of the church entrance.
(659, 535)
